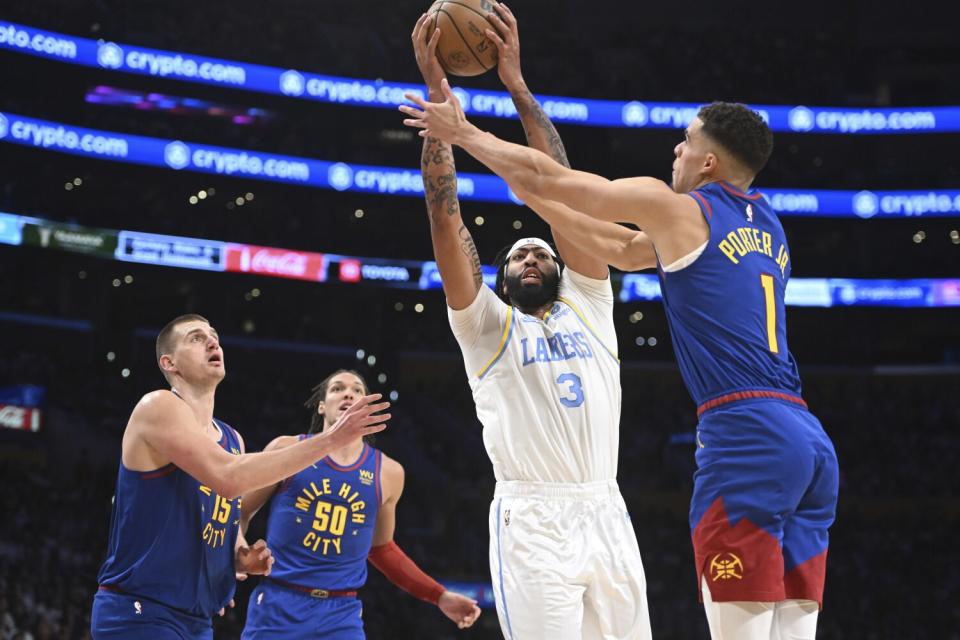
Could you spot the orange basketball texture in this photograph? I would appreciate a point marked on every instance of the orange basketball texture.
(464, 49)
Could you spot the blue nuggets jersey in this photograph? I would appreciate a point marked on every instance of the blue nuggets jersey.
(726, 309)
(172, 539)
(321, 523)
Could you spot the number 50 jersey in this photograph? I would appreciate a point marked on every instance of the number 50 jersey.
(322, 521)
(547, 391)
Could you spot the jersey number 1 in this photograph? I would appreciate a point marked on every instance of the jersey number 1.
(766, 281)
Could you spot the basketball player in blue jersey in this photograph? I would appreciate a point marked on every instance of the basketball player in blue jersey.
(765, 490)
(174, 550)
(325, 523)
(540, 352)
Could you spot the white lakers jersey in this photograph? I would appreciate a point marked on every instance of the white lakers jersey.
(547, 391)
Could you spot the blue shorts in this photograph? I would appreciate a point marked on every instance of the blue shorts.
(128, 617)
(764, 496)
(275, 611)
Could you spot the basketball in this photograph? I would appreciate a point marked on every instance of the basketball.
(464, 49)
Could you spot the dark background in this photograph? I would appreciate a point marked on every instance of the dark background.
(884, 382)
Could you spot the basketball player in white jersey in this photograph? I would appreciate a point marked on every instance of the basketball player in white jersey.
(541, 356)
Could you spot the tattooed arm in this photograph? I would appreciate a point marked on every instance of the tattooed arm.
(453, 247)
(578, 245)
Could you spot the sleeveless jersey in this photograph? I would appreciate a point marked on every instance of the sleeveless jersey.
(322, 520)
(726, 309)
(546, 391)
(172, 539)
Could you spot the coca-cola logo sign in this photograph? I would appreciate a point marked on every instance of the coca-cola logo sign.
(14, 417)
(287, 263)
(301, 265)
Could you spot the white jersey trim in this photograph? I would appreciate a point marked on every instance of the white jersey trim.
(686, 260)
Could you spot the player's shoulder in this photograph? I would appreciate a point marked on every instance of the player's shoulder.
(391, 471)
(388, 464)
(156, 405)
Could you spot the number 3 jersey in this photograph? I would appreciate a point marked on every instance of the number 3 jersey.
(726, 307)
(547, 391)
(172, 539)
(322, 520)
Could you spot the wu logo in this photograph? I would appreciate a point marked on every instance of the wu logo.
(366, 477)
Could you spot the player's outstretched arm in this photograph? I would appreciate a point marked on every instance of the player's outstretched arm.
(254, 500)
(610, 243)
(539, 130)
(453, 246)
(647, 202)
(393, 563)
(165, 424)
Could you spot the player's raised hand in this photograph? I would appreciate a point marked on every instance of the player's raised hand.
(362, 418)
(444, 120)
(506, 37)
(459, 608)
(255, 559)
(425, 50)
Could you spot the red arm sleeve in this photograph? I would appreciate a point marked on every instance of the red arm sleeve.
(399, 569)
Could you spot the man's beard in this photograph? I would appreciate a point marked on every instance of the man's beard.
(533, 296)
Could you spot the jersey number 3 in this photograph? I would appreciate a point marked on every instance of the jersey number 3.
(574, 388)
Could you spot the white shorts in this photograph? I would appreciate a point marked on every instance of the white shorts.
(565, 563)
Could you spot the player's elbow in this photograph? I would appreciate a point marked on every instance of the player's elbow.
(229, 491)
(229, 482)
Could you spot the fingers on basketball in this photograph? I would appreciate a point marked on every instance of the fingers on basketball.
(464, 49)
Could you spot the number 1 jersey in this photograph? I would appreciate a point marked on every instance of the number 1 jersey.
(547, 391)
(726, 308)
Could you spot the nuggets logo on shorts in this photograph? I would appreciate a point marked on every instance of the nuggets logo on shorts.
(726, 566)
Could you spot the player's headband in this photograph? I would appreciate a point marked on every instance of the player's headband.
(522, 242)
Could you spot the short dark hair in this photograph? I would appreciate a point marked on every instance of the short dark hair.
(500, 261)
(741, 131)
(319, 394)
(165, 337)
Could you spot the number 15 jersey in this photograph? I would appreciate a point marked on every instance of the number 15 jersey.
(547, 391)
